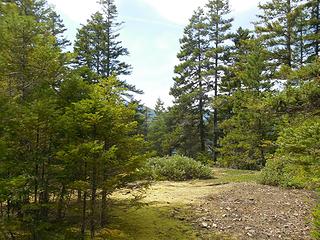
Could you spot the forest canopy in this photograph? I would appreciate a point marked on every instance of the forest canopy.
(72, 132)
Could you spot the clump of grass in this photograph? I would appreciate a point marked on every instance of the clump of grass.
(176, 168)
(316, 221)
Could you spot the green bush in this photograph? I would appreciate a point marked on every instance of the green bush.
(316, 230)
(204, 158)
(296, 162)
(272, 174)
(176, 168)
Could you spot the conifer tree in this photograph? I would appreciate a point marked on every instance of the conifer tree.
(278, 29)
(192, 84)
(158, 130)
(32, 64)
(98, 48)
(248, 130)
(44, 14)
(218, 25)
(159, 107)
(312, 13)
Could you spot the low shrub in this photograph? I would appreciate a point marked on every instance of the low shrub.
(204, 158)
(272, 174)
(176, 168)
(316, 230)
(296, 162)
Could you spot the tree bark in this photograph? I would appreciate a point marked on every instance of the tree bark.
(93, 200)
(60, 203)
(317, 47)
(103, 208)
(215, 113)
(84, 208)
(79, 196)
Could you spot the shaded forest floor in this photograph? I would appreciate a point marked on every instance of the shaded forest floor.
(231, 206)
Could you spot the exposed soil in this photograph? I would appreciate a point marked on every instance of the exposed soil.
(233, 206)
(252, 211)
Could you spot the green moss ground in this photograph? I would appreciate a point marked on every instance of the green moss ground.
(157, 222)
(165, 217)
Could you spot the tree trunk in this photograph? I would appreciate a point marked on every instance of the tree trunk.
(317, 50)
(84, 208)
(215, 113)
(289, 35)
(44, 195)
(1, 210)
(201, 121)
(8, 209)
(93, 201)
(103, 208)
(60, 203)
(36, 183)
(79, 197)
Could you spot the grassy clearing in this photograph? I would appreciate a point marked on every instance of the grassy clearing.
(153, 223)
(224, 176)
(164, 213)
(146, 223)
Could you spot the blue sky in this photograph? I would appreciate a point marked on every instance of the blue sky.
(151, 33)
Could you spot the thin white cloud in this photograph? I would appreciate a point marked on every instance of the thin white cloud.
(150, 21)
(152, 72)
(179, 11)
(77, 10)
(176, 11)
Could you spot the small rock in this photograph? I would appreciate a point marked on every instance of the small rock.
(214, 225)
(204, 225)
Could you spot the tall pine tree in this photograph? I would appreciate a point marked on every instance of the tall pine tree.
(192, 84)
(218, 25)
(278, 29)
(312, 13)
(98, 50)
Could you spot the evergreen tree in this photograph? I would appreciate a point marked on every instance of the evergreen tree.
(32, 64)
(44, 14)
(159, 107)
(97, 48)
(218, 25)
(312, 13)
(248, 133)
(230, 82)
(277, 28)
(164, 132)
(102, 129)
(192, 83)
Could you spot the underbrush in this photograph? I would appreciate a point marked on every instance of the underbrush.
(176, 168)
(316, 230)
(296, 163)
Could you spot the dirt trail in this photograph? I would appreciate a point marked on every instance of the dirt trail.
(234, 206)
(252, 211)
(183, 192)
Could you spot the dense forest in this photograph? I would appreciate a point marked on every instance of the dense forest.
(72, 131)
